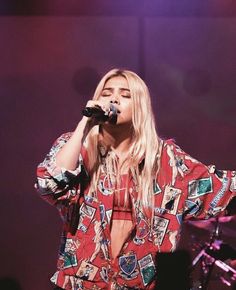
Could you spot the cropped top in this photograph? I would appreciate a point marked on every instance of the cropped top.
(122, 206)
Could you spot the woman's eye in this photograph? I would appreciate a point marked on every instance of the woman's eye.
(126, 96)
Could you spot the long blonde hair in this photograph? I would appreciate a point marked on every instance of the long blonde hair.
(146, 145)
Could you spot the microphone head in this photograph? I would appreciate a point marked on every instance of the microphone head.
(113, 117)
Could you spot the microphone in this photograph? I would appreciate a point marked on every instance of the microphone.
(98, 113)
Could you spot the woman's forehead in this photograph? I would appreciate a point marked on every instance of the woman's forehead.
(116, 82)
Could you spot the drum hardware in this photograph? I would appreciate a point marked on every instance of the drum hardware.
(213, 254)
(207, 263)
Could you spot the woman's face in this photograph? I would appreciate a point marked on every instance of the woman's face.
(116, 91)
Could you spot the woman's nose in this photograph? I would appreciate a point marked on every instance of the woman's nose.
(115, 99)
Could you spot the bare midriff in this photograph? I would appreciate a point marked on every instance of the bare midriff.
(120, 231)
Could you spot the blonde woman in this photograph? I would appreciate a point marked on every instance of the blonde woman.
(122, 190)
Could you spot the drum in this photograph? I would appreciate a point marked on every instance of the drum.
(212, 246)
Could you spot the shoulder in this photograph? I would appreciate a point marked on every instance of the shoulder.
(171, 148)
(176, 156)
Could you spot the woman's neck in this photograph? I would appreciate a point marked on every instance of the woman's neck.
(119, 140)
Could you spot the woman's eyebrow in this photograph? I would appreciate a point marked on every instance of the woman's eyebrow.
(104, 89)
(125, 89)
(121, 89)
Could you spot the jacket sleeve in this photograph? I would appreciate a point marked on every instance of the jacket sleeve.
(207, 190)
(55, 184)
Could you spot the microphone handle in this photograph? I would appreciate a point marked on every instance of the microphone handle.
(95, 112)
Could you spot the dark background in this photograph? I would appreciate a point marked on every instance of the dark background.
(52, 54)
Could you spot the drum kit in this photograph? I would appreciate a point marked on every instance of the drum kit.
(215, 258)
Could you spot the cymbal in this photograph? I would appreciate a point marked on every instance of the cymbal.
(226, 224)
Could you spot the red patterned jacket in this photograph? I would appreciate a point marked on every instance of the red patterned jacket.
(183, 188)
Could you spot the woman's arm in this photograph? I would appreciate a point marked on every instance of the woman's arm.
(206, 189)
(63, 169)
(68, 156)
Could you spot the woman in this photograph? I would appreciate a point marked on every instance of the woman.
(122, 191)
